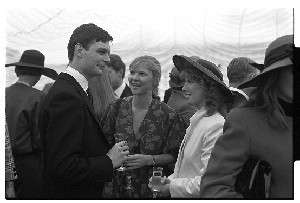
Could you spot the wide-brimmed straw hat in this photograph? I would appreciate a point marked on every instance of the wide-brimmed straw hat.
(278, 55)
(210, 69)
(34, 59)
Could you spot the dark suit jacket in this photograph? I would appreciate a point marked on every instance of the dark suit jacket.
(126, 92)
(22, 105)
(21, 111)
(75, 164)
(167, 95)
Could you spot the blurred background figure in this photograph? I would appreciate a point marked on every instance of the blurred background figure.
(22, 106)
(151, 128)
(240, 70)
(178, 100)
(116, 70)
(206, 91)
(262, 128)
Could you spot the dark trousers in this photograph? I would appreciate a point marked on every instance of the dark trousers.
(29, 173)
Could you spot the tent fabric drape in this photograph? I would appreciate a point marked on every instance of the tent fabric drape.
(218, 35)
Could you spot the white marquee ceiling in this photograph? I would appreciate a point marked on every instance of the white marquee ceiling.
(218, 35)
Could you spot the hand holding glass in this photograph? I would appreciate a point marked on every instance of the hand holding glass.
(119, 137)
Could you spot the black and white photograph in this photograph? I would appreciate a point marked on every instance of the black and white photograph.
(150, 100)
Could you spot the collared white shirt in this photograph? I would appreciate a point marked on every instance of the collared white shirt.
(194, 153)
(78, 77)
(119, 91)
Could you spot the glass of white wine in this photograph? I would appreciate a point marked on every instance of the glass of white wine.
(118, 138)
(156, 180)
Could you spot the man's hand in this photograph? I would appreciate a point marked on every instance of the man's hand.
(118, 154)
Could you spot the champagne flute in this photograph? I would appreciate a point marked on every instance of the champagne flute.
(118, 138)
(156, 180)
(129, 173)
(128, 176)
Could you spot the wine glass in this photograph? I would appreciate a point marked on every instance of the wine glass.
(129, 173)
(118, 138)
(156, 180)
(128, 176)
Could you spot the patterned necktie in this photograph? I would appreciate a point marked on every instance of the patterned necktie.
(89, 95)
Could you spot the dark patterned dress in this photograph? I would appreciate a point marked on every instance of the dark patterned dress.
(161, 132)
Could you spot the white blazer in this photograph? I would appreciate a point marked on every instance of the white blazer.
(194, 154)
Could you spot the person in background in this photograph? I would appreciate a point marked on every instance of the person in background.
(168, 92)
(262, 128)
(21, 108)
(177, 100)
(152, 129)
(102, 92)
(116, 69)
(240, 70)
(77, 156)
(10, 175)
(206, 91)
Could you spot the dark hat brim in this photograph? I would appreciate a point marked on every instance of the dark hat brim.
(45, 71)
(182, 62)
(255, 81)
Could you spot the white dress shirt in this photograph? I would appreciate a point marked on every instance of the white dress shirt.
(78, 77)
(194, 153)
(119, 91)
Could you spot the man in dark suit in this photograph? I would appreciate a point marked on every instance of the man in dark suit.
(77, 156)
(22, 101)
(116, 71)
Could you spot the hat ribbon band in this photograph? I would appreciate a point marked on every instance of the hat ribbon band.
(278, 54)
(284, 62)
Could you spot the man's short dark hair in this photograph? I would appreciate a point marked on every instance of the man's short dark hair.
(239, 70)
(117, 64)
(84, 34)
(177, 78)
(24, 70)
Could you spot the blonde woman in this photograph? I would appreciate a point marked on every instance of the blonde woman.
(152, 129)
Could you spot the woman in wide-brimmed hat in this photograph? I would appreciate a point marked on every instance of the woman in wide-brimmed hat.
(261, 129)
(21, 110)
(204, 89)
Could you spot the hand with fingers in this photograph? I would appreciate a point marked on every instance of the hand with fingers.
(137, 161)
(118, 153)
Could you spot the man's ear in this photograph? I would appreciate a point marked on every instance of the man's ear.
(78, 50)
(120, 72)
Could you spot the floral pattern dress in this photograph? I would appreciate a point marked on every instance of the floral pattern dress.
(161, 132)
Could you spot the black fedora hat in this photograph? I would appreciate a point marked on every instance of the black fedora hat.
(34, 59)
(277, 55)
(208, 68)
